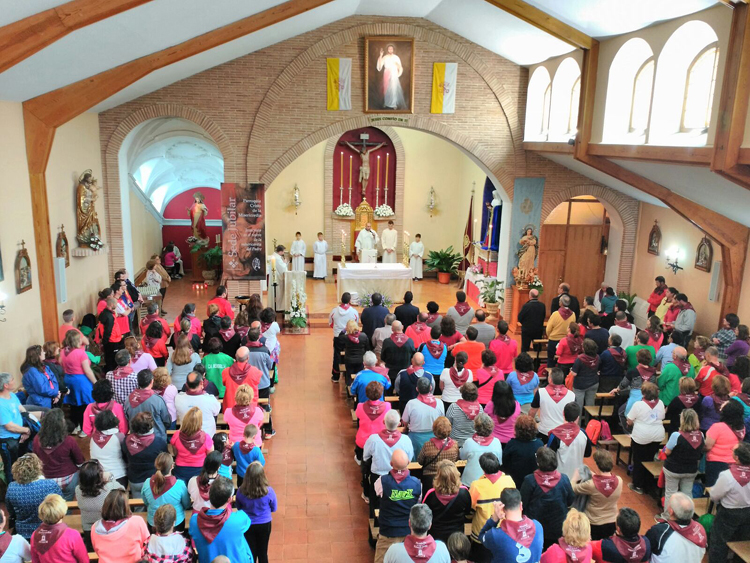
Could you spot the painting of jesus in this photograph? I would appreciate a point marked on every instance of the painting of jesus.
(389, 74)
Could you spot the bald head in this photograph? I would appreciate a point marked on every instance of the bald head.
(679, 353)
(534, 294)
(423, 317)
(417, 359)
(243, 354)
(255, 324)
(399, 460)
(397, 327)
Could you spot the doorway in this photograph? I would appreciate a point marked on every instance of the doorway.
(573, 247)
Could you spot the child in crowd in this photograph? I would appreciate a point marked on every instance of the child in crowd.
(258, 500)
(165, 544)
(198, 486)
(569, 441)
(106, 446)
(245, 452)
(223, 445)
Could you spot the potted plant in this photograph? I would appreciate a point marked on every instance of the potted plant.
(492, 293)
(445, 262)
(211, 261)
(627, 297)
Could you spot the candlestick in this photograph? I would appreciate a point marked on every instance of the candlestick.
(386, 170)
(341, 182)
(343, 248)
(377, 184)
(350, 172)
(377, 197)
(350, 195)
(406, 256)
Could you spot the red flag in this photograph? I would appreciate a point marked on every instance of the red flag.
(468, 235)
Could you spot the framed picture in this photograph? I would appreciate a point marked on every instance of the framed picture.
(389, 74)
(62, 248)
(23, 270)
(704, 255)
(654, 239)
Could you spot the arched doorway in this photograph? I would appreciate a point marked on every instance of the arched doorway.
(574, 247)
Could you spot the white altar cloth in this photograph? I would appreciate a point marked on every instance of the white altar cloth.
(390, 279)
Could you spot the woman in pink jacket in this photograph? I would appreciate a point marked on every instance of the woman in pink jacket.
(371, 414)
(245, 411)
(53, 541)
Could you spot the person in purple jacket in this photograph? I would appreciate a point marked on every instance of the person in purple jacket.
(258, 500)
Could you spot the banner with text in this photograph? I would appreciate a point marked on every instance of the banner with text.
(244, 231)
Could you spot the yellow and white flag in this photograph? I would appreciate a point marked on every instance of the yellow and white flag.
(444, 87)
(339, 84)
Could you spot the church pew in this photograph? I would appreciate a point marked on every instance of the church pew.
(741, 549)
(73, 504)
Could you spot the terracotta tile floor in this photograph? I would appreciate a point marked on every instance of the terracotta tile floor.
(310, 463)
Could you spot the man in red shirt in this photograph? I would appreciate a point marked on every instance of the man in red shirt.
(472, 348)
(657, 295)
(69, 323)
(221, 301)
(710, 369)
(419, 332)
(504, 347)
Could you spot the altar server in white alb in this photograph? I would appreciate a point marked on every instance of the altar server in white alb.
(320, 248)
(389, 240)
(277, 262)
(298, 250)
(416, 253)
(366, 240)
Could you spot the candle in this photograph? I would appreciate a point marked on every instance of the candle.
(342, 169)
(386, 170)
(273, 262)
(218, 238)
(350, 171)
(377, 184)
(343, 236)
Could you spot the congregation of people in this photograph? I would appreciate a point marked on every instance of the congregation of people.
(146, 397)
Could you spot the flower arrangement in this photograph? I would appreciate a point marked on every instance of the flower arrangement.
(344, 210)
(93, 242)
(366, 299)
(298, 314)
(475, 269)
(536, 283)
(383, 210)
(528, 279)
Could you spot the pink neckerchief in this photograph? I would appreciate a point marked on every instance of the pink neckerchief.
(491, 372)
(100, 438)
(744, 397)
(493, 477)
(646, 372)
(139, 396)
(428, 399)
(390, 437)
(654, 335)
(605, 484)
(556, 392)
(373, 409)
(718, 401)
(136, 443)
(246, 448)
(121, 372)
(411, 370)
(435, 347)
(242, 331)
(243, 413)
(651, 404)
(420, 550)
(591, 362)
(741, 473)
(699, 353)
(522, 532)
(504, 338)
(575, 554)
(203, 488)
(470, 408)
(399, 338)
(345, 306)
(624, 324)
(419, 327)
(399, 474)
(693, 532)
(617, 354)
(45, 536)
(169, 482)
(547, 480)
(565, 313)
(264, 327)
(5, 539)
(483, 440)
(682, 365)
(227, 333)
(193, 443)
(150, 342)
(457, 379)
(688, 400)
(525, 377)
(96, 408)
(567, 432)
(441, 444)
(694, 438)
(462, 308)
(431, 318)
(575, 344)
(353, 337)
(227, 456)
(633, 550)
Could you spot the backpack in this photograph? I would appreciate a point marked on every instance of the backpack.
(88, 324)
(594, 430)
(606, 433)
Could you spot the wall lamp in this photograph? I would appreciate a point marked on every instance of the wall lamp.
(3, 297)
(674, 255)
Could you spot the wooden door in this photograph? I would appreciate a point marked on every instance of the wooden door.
(584, 262)
(551, 260)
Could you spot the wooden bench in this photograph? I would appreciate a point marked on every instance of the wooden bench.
(414, 466)
(703, 506)
(73, 504)
(601, 411)
(539, 347)
(741, 549)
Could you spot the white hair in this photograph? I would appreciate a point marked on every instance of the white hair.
(391, 420)
(370, 359)
(682, 506)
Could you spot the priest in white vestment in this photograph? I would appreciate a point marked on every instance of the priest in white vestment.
(416, 253)
(298, 250)
(389, 239)
(320, 249)
(367, 240)
(277, 261)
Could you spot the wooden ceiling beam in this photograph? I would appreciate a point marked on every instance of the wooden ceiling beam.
(545, 22)
(544, 146)
(21, 39)
(696, 156)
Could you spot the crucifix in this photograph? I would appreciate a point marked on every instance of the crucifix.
(364, 154)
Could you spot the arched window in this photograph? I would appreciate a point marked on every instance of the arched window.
(566, 87)
(640, 106)
(575, 98)
(545, 110)
(699, 90)
(538, 99)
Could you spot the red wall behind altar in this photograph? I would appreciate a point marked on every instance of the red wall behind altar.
(376, 136)
(177, 209)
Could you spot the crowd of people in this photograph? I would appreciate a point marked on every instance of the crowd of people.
(498, 439)
(146, 397)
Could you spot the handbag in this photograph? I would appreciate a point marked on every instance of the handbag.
(569, 380)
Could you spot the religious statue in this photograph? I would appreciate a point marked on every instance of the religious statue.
(364, 166)
(527, 253)
(390, 64)
(197, 213)
(89, 231)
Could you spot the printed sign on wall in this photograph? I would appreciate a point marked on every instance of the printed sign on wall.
(243, 231)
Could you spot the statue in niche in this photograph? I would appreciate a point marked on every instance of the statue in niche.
(197, 213)
(89, 230)
(527, 253)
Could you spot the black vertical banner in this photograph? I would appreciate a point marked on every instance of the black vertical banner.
(243, 231)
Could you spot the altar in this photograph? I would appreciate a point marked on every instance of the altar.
(390, 279)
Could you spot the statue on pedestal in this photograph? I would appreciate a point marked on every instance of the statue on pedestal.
(197, 213)
(528, 251)
(89, 230)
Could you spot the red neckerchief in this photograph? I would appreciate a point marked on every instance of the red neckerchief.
(109, 524)
(693, 532)
(411, 370)
(399, 474)
(439, 443)
(741, 473)
(193, 443)
(483, 440)
(353, 337)
(149, 342)
(194, 392)
(399, 339)
(630, 550)
(547, 480)
(718, 402)
(420, 549)
(435, 347)
(136, 443)
(688, 400)
(139, 396)
(575, 344)
(5, 539)
(159, 392)
(646, 372)
(739, 433)
(390, 437)
(576, 554)
(96, 408)
(238, 371)
(242, 331)
(566, 432)
(605, 484)
(244, 413)
(522, 532)
(565, 313)
(373, 409)
(494, 477)
(45, 536)
(525, 377)
(246, 448)
(121, 372)
(699, 353)
(687, 307)
(682, 365)
(227, 333)
(382, 370)
(490, 371)
(211, 524)
(721, 368)
(504, 338)
(651, 404)
(624, 324)
(618, 355)
(556, 392)
(169, 482)
(444, 499)
(694, 438)
(227, 456)
(345, 306)
(428, 399)
(431, 318)
(470, 408)
(148, 319)
(654, 335)
(592, 362)
(101, 439)
(419, 328)
(265, 326)
(462, 308)
(204, 488)
(744, 397)
(457, 379)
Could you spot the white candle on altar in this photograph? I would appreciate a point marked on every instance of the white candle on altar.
(386, 170)
(341, 183)
(273, 262)
(350, 171)
(377, 183)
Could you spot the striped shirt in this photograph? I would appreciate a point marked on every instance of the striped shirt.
(462, 428)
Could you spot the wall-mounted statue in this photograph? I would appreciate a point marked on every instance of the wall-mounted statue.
(527, 253)
(89, 231)
(197, 213)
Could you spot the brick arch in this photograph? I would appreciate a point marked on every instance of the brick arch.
(264, 117)
(111, 164)
(626, 210)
